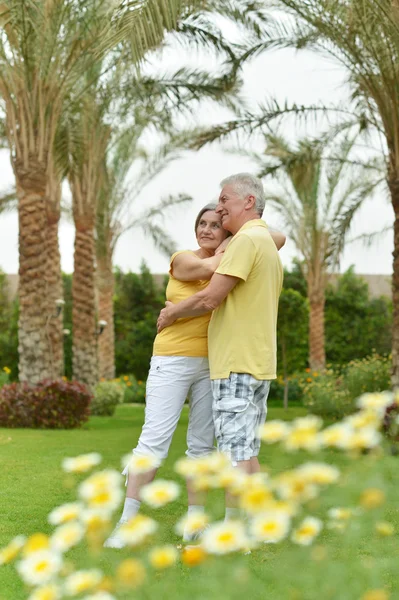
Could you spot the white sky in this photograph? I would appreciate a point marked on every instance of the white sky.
(302, 78)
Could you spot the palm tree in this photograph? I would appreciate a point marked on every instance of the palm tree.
(363, 37)
(115, 217)
(44, 49)
(319, 191)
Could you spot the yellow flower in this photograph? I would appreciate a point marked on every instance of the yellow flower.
(372, 498)
(318, 473)
(137, 530)
(131, 573)
(82, 463)
(46, 592)
(375, 595)
(140, 464)
(384, 528)
(35, 543)
(11, 551)
(160, 492)
(193, 556)
(65, 513)
(82, 581)
(139, 382)
(40, 567)
(67, 536)
(192, 523)
(270, 527)
(129, 384)
(6, 370)
(273, 431)
(225, 537)
(125, 378)
(256, 499)
(163, 557)
(307, 531)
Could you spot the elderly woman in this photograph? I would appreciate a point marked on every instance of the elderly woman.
(179, 368)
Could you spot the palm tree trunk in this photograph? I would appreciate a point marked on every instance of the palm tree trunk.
(33, 347)
(84, 322)
(55, 292)
(106, 341)
(394, 189)
(317, 355)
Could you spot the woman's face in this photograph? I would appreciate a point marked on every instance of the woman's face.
(210, 233)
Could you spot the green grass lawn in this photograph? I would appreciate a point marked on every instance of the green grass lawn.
(343, 566)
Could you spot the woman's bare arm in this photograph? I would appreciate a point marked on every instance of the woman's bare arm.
(189, 267)
(278, 238)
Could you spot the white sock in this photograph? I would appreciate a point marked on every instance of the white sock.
(192, 508)
(231, 513)
(130, 509)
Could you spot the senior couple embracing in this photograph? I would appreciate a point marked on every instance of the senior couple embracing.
(216, 342)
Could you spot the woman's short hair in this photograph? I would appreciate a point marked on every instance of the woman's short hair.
(210, 206)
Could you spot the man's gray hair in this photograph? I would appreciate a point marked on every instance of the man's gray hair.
(248, 185)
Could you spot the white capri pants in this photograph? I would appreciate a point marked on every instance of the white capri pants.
(170, 381)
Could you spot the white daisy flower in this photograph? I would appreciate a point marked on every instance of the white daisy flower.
(318, 473)
(12, 550)
(336, 435)
(378, 401)
(40, 567)
(225, 537)
(67, 536)
(65, 513)
(140, 464)
(307, 531)
(270, 527)
(82, 581)
(102, 490)
(192, 523)
(137, 530)
(159, 493)
(46, 592)
(82, 463)
(99, 596)
(273, 431)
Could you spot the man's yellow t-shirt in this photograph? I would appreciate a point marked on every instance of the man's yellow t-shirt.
(185, 337)
(242, 331)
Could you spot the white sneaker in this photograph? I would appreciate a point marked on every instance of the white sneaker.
(194, 537)
(114, 540)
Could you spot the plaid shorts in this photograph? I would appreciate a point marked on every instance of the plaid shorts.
(239, 408)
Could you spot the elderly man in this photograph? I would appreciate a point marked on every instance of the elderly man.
(243, 295)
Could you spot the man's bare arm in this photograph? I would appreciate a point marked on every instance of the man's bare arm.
(198, 304)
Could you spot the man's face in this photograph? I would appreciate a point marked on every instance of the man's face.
(232, 208)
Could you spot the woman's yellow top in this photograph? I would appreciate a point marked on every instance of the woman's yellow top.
(185, 337)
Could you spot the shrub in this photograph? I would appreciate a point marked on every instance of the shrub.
(55, 404)
(107, 395)
(4, 376)
(326, 396)
(370, 374)
(332, 394)
(133, 390)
